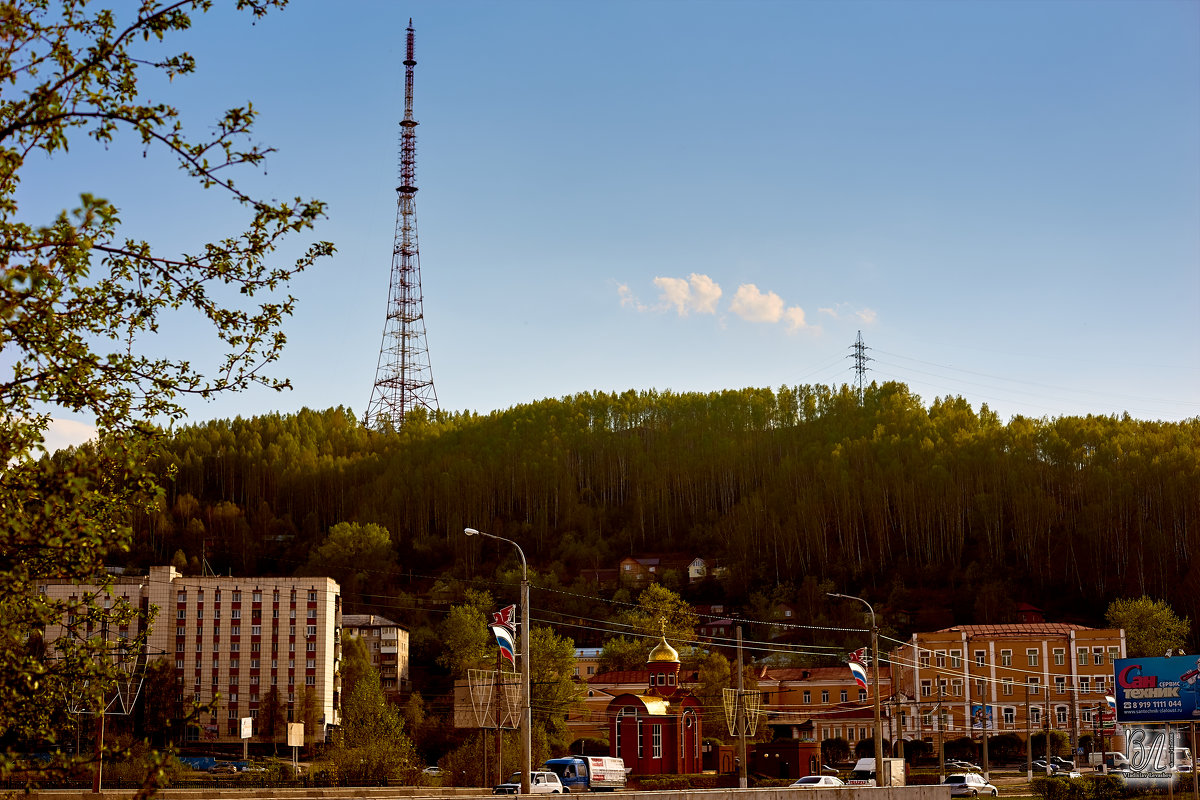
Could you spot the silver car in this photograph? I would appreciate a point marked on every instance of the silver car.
(818, 782)
(969, 784)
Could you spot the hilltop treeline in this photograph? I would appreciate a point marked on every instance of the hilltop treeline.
(873, 493)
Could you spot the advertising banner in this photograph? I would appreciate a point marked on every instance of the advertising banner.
(981, 715)
(247, 727)
(1158, 689)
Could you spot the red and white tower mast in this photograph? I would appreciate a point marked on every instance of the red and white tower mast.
(403, 376)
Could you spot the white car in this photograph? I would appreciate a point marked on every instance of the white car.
(539, 783)
(818, 782)
(969, 784)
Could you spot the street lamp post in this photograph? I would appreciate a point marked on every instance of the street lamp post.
(875, 679)
(526, 711)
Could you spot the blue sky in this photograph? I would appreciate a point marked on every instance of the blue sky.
(1004, 197)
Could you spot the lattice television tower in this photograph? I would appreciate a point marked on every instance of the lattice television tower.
(861, 358)
(403, 376)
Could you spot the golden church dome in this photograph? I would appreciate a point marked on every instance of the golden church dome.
(663, 652)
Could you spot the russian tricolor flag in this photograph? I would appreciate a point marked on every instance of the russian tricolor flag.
(504, 629)
(860, 673)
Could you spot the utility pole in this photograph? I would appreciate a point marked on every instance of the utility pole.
(743, 781)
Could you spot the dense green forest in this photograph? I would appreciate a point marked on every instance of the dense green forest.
(882, 495)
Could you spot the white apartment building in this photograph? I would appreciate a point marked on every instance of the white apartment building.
(387, 646)
(234, 638)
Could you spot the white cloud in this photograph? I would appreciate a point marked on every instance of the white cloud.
(675, 293)
(628, 300)
(698, 293)
(707, 293)
(794, 317)
(753, 306)
(841, 310)
(67, 433)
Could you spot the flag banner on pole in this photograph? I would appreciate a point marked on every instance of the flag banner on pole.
(859, 672)
(504, 629)
(504, 640)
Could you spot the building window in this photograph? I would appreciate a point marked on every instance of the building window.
(956, 687)
(862, 695)
(656, 742)
(1082, 656)
(842, 696)
(312, 630)
(310, 680)
(926, 688)
(256, 596)
(1113, 654)
(956, 659)
(1035, 685)
(807, 697)
(235, 613)
(256, 630)
(1060, 712)
(1010, 714)
(311, 647)
(1060, 656)
(312, 597)
(824, 695)
(1007, 683)
(1060, 683)
(939, 658)
(1031, 657)
(925, 660)
(1085, 685)
(1035, 716)
(1097, 656)
(980, 657)
(1006, 658)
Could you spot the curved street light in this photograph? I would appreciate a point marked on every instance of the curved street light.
(875, 679)
(526, 711)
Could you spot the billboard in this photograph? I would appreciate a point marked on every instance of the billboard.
(1158, 689)
(980, 714)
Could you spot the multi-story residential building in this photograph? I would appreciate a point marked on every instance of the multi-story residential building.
(1020, 677)
(232, 639)
(587, 662)
(821, 703)
(387, 645)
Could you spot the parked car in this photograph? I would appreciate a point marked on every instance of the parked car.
(969, 784)
(1062, 763)
(226, 769)
(539, 783)
(962, 765)
(1040, 766)
(817, 782)
(433, 771)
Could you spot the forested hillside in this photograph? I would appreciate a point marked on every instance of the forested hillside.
(874, 495)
